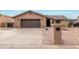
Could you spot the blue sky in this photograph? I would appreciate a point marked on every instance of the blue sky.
(68, 13)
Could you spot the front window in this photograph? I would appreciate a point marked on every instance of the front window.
(9, 24)
(57, 21)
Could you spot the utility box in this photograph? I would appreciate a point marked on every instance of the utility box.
(57, 34)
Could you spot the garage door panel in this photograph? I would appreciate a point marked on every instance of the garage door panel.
(30, 24)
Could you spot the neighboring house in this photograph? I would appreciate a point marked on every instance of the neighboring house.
(6, 21)
(76, 23)
(32, 19)
(71, 22)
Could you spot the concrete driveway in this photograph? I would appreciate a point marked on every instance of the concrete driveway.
(16, 36)
(20, 36)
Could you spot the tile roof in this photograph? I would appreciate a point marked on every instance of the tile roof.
(29, 11)
(57, 17)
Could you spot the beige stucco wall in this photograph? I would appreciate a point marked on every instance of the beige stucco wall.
(57, 34)
(30, 16)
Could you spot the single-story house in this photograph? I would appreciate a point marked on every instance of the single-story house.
(31, 19)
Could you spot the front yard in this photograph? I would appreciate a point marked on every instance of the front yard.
(31, 38)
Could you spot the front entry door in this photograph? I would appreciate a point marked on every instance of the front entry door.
(48, 22)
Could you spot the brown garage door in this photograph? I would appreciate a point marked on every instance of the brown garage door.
(30, 23)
